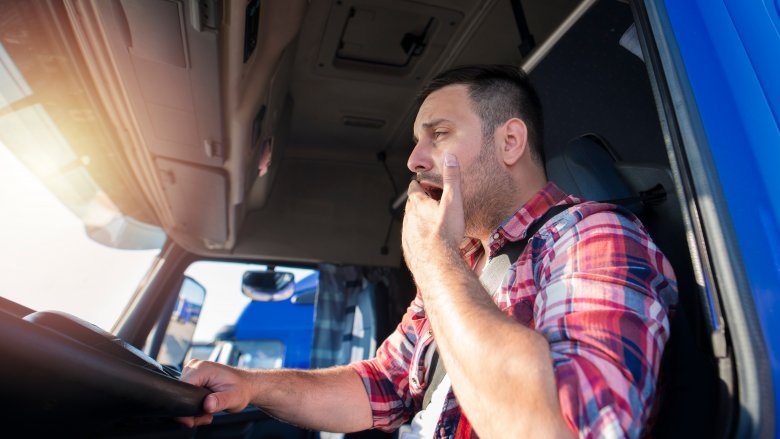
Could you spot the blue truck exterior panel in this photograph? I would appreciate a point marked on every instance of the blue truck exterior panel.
(285, 321)
(731, 52)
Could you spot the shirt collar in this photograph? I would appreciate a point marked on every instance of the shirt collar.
(514, 228)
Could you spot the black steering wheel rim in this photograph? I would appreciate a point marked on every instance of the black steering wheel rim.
(56, 377)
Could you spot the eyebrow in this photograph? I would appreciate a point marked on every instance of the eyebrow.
(428, 125)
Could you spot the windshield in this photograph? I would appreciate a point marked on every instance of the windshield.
(68, 202)
(47, 261)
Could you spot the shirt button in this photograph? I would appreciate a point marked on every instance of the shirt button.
(414, 381)
(430, 332)
(496, 236)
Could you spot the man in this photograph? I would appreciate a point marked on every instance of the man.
(570, 344)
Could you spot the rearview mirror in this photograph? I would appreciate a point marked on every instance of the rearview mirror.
(268, 286)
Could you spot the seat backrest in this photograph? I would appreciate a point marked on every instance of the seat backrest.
(588, 168)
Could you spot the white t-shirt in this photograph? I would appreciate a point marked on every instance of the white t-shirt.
(424, 422)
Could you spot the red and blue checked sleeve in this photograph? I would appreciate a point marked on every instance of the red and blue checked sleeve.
(386, 377)
(603, 304)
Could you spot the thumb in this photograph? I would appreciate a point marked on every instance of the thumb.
(451, 180)
(212, 403)
(219, 401)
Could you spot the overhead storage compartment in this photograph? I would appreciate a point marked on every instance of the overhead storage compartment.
(169, 80)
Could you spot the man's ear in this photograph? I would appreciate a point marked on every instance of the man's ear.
(513, 140)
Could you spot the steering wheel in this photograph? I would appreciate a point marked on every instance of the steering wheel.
(56, 369)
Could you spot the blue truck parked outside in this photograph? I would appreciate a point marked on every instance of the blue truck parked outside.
(271, 334)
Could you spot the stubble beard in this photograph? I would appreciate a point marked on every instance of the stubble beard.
(487, 190)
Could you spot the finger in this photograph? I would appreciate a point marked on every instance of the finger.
(204, 420)
(451, 194)
(189, 372)
(196, 378)
(201, 373)
(194, 421)
(188, 421)
(414, 189)
(214, 402)
(219, 401)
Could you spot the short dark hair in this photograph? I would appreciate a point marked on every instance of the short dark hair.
(498, 93)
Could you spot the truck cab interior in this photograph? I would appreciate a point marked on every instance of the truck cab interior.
(278, 132)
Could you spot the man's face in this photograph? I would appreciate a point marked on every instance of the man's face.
(447, 123)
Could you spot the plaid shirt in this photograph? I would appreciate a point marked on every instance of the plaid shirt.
(593, 284)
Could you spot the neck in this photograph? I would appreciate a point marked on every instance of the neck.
(522, 194)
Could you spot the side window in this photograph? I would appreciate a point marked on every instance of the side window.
(253, 317)
(184, 319)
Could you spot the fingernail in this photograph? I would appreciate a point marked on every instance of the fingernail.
(211, 404)
(450, 160)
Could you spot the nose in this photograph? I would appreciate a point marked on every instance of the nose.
(420, 159)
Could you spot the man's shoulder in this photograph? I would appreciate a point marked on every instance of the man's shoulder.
(601, 238)
(591, 217)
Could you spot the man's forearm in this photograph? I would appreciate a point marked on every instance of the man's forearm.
(328, 400)
(501, 371)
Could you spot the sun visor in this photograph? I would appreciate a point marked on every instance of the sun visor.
(188, 189)
(168, 67)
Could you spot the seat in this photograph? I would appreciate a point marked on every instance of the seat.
(587, 168)
(590, 169)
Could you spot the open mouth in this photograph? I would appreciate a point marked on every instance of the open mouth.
(431, 190)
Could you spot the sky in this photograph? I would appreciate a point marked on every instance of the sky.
(47, 262)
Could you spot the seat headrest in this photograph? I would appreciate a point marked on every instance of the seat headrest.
(587, 169)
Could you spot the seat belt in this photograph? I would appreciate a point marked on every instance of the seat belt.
(491, 278)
